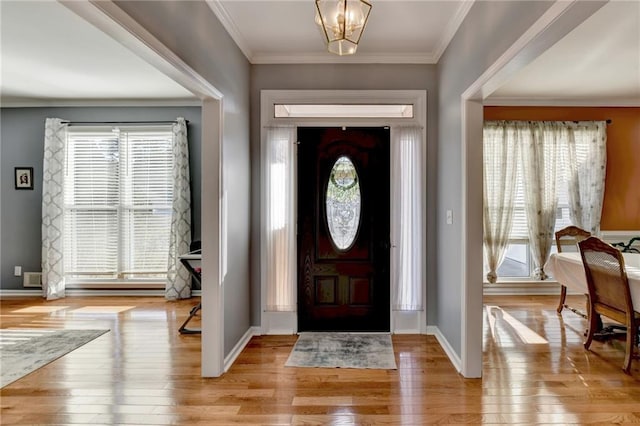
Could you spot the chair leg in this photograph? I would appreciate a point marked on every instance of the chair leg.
(630, 349)
(563, 296)
(593, 326)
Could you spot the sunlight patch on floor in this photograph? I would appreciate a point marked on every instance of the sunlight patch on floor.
(528, 336)
(150, 315)
(40, 309)
(102, 309)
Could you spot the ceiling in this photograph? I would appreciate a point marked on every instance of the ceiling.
(50, 54)
(397, 31)
(599, 62)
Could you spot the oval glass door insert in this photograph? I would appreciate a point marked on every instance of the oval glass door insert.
(343, 203)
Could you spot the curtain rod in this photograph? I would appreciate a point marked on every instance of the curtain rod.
(123, 122)
(608, 121)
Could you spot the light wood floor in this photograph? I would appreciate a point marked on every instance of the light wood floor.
(143, 372)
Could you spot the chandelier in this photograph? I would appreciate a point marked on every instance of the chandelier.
(342, 23)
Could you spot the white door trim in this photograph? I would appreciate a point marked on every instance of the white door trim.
(287, 322)
(554, 24)
(108, 17)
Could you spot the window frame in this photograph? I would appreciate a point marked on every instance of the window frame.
(561, 192)
(121, 278)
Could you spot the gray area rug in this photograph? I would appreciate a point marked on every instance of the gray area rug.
(343, 350)
(26, 350)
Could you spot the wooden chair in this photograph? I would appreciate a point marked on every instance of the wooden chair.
(609, 293)
(567, 240)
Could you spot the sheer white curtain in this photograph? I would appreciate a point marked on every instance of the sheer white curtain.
(178, 285)
(540, 149)
(501, 158)
(53, 172)
(279, 226)
(585, 164)
(408, 251)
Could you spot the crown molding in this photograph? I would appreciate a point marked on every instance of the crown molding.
(569, 102)
(358, 58)
(451, 29)
(231, 27)
(57, 103)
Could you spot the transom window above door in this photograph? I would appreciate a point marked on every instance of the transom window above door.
(343, 111)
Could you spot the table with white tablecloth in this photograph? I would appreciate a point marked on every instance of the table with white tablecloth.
(568, 270)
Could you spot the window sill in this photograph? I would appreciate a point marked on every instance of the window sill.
(515, 280)
(522, 287)
(116, 285)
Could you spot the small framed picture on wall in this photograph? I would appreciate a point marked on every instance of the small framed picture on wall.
(24, 177)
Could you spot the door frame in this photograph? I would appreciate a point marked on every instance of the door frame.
(108, 17)
(287, 322)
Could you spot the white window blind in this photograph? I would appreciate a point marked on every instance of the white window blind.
(118, 193)
(519, 224)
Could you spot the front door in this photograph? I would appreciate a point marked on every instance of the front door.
(343, 229)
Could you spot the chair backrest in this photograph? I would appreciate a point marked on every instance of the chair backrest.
(567, 239)
(606, 277)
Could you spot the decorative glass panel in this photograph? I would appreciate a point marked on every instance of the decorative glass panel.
(343, 203)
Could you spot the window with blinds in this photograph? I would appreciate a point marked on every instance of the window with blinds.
(518, 261)
(519, 227)
(118, 194)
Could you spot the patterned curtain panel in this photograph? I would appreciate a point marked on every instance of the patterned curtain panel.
(178, 278)
(586, 161)
(53, 171)
(279, 227)
(540, 157)
(549, 151)
(501, 158)
(408, 227)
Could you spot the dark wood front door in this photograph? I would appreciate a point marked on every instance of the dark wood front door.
(343, 229)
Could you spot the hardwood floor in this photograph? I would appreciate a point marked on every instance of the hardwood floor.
(143, 372)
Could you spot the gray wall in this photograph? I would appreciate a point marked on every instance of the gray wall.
(489, 29)
(192, 31)
(344, 77)
(22, 144)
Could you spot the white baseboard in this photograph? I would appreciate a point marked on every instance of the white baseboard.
(444, 343)
(239, 347)
(71, 292)
(541, 288)
(18, 292)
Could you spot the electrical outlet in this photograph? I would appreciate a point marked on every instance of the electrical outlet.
(17, 271)
(449, 217)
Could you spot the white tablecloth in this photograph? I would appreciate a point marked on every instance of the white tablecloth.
(567, 269)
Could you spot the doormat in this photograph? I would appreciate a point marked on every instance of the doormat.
(24, 351)
(343, 350)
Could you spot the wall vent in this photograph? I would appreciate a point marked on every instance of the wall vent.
(32, 279)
